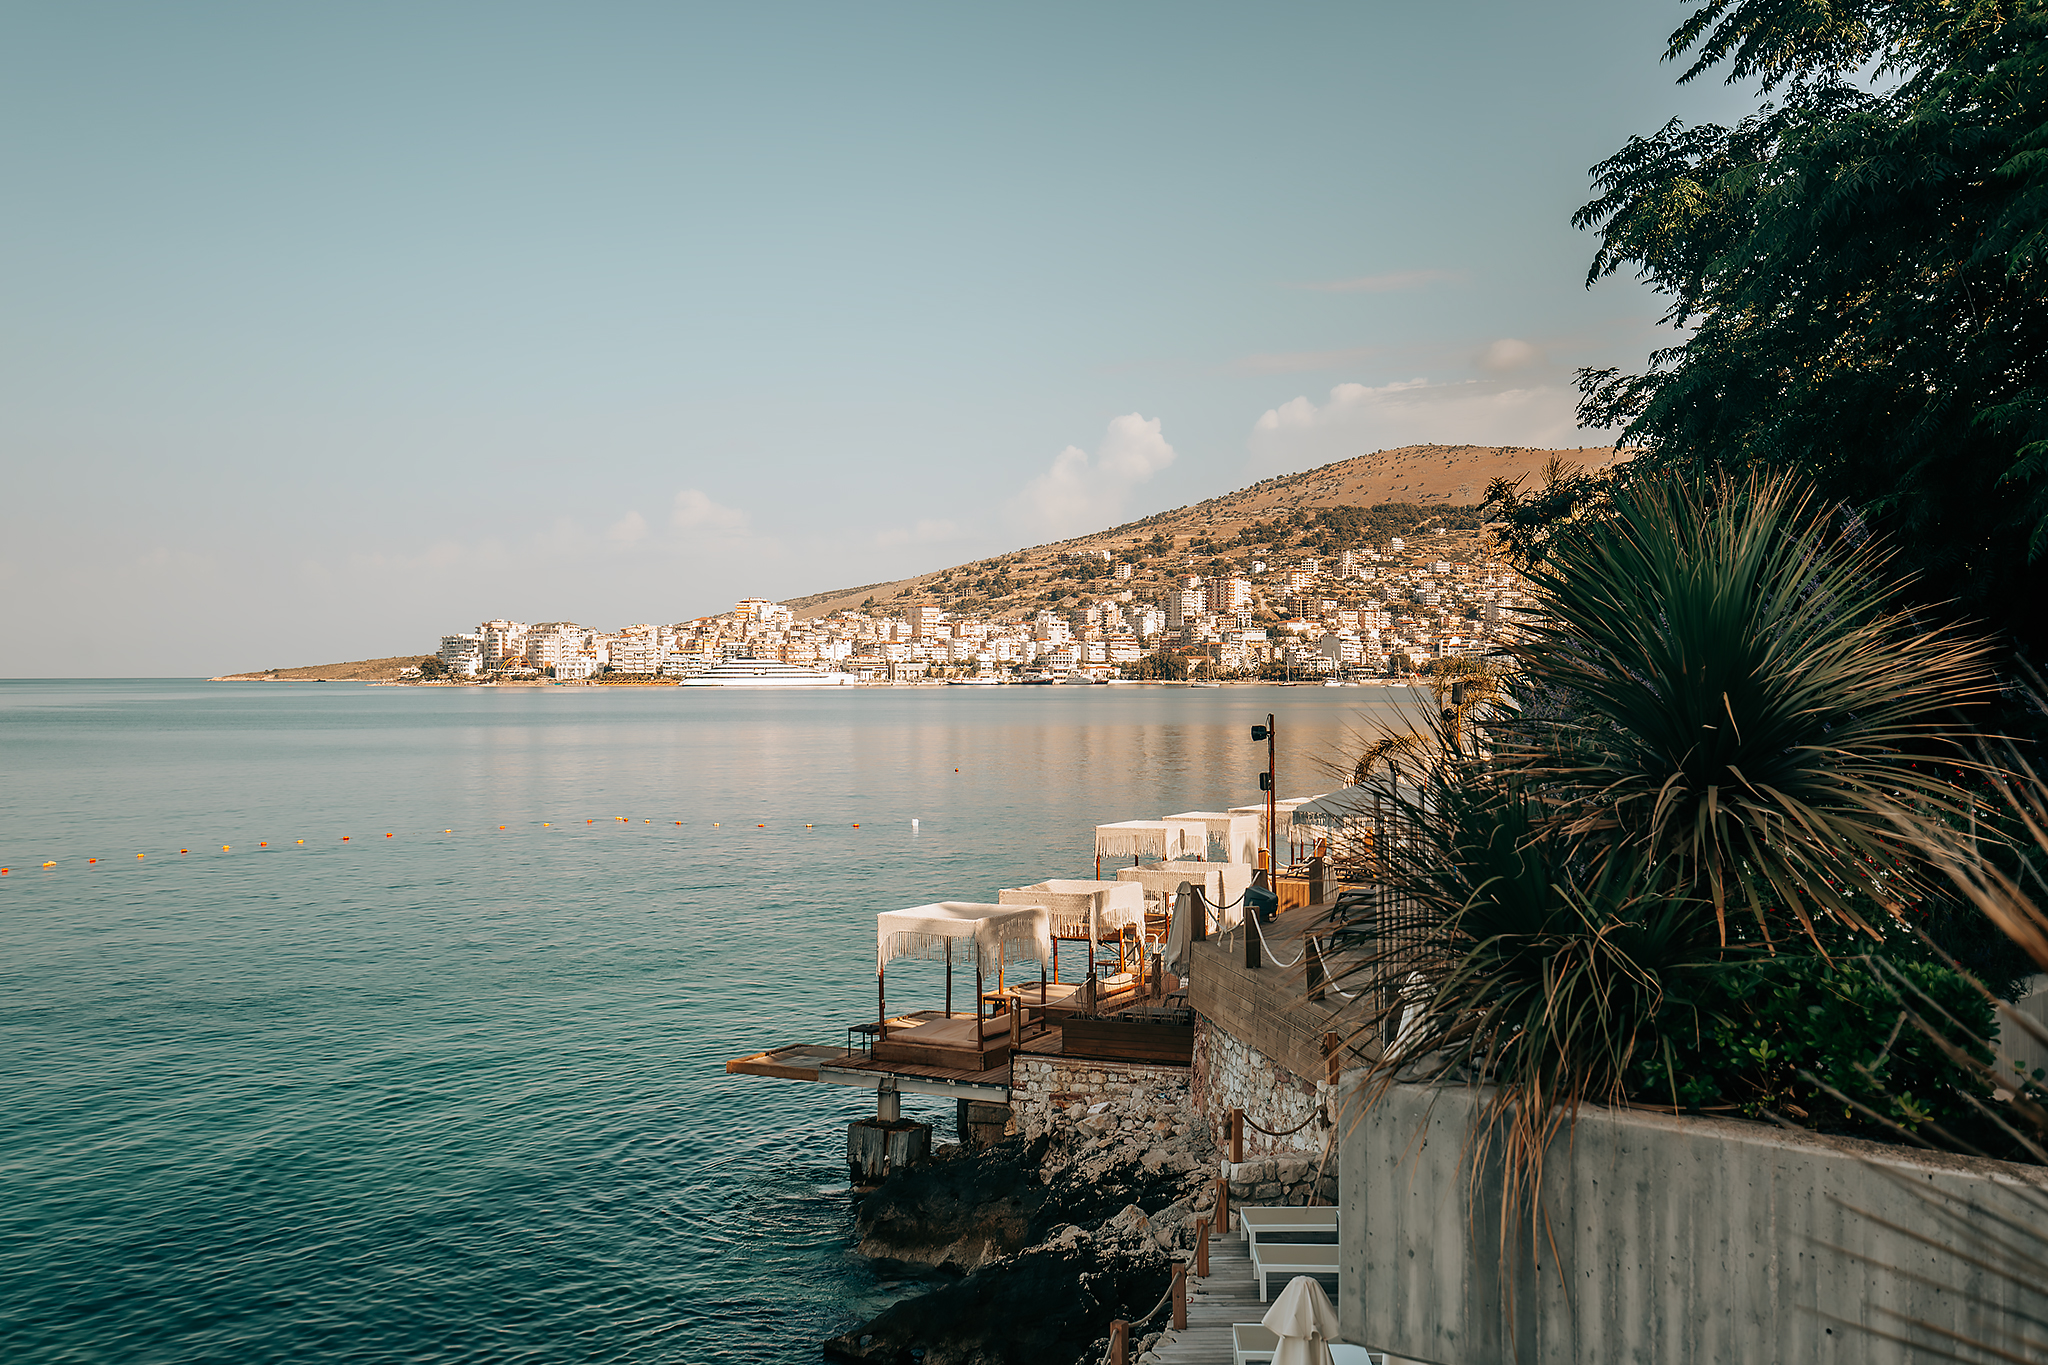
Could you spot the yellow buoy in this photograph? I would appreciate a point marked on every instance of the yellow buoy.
(49, 864)
(545, 825)
(223, 848)
(138, 855)
(302, 841)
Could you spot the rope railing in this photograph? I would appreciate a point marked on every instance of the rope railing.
(1131, 1326)
(1266, 945)
(1313, 1115)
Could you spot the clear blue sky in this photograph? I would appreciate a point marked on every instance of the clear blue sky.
(330, 328)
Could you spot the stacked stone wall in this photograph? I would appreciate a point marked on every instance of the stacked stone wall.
(1229, 1073)
(1053, 1095)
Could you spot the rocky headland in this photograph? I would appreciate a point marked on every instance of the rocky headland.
(1036, 1245)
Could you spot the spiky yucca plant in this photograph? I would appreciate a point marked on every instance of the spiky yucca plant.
(1740, 698)
(1715, 705)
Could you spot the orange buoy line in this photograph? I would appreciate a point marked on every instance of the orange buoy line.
(392, 834)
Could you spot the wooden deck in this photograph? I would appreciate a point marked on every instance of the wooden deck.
(999, 1075)
(804, 1061)
(1229, 1295)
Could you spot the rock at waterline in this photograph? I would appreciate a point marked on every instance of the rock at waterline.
(959, 1214)
(1045, 1305)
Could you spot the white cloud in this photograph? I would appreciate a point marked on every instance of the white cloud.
(1509, 355)
(694, 511)
(1300, 434)
(630, 529)
(926, 532)
(1388, 283)
(1079, 493)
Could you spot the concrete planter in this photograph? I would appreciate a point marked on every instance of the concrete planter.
(1681, 1241)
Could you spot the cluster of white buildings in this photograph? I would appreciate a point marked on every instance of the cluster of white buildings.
(1365, 611)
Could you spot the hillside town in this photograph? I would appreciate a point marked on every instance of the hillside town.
(1375, 609)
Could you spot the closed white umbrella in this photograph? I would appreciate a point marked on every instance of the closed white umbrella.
(1304, 1321)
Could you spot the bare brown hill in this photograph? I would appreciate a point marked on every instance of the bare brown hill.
(1197, 536)
(362, 670)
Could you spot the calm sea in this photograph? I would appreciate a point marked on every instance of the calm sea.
(452, 1088)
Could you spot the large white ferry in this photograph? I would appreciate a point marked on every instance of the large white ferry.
(765, 673)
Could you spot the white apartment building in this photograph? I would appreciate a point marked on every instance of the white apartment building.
(547, 645)
(1231, 594)
(504, 642)
(1300, 580)
(464, 654)
(1183, 605)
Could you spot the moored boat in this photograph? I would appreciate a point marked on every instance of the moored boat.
(765, 673)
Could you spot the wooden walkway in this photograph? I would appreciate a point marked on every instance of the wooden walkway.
(1229, 1295)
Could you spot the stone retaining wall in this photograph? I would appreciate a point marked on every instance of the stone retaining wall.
(1230, 1073)
(1052, 1094)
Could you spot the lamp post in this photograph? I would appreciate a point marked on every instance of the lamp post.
(1267, 732)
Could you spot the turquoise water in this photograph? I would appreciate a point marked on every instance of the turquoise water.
(458, 1094)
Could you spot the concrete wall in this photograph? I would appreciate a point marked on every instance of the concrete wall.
(2015, 1045)
(1681, 1241)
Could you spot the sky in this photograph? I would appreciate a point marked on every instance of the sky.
(328, 329)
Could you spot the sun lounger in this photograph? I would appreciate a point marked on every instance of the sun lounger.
(1252, 1344)
(1259, 1221)
(1296, 1258)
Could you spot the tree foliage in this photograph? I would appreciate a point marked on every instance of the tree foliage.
(1864, 274)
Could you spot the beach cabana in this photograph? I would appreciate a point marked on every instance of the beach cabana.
(1085, 911)
(1237, 831)
(1139, 840)
(991, 936)
(986, 935)
(1357, 822)
(1283, 815)
(1222, 884)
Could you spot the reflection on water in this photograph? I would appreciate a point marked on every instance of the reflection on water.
(459, 1096)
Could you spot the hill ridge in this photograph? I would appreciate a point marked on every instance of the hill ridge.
(1423, 475)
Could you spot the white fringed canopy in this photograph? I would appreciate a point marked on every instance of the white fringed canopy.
(1084, 909)
(1283, 813)
(1222, 883)
(1154, 839)
(1236, 830)
(998, 933)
